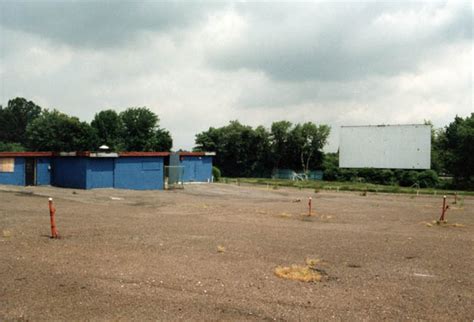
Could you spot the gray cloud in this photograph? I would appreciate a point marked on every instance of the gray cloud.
(342, 41)
(97, 24)
(201, 65)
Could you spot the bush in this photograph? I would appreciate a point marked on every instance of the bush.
(428, 179)
(347, 175)
(331, 174)
(386, 177)
(216, 173)
(408, 178)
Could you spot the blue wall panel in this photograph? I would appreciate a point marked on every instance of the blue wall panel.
(70, 172)
(140, 173)
(17, 177)
(100, 173)
(43, 171)
(197, 168)
(204, 170)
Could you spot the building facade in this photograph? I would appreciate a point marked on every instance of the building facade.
(84, 170)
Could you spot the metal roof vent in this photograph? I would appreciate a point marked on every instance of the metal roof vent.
(104, 148)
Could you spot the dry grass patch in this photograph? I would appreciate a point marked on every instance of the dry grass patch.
(298, 273)
(312, 262)
(284, 215)
(304, 273)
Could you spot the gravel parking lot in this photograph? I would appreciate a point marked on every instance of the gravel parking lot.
(209, 252)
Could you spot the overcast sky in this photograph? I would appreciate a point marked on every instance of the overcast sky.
(201, 65)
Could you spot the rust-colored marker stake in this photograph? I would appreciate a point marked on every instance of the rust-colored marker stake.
(52, 211)
(443, 211)
(309, 205)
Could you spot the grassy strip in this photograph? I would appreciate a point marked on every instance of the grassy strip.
(343, 186)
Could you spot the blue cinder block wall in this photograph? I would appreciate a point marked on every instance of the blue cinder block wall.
(100, 173)
(139, 173)
(17, 177)
(43, 171)
(84, 172)
(197, 168)
(70, 172)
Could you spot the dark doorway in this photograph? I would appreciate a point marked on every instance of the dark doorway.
(30, 173)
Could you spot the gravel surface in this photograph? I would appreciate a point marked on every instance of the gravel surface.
(209, 252)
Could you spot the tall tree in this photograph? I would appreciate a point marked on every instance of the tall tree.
(457, 144)
(141, 131)
(280, 137)
(241, 150)
(164, 141)
(436, 150)
(55, 131)
(109, 128)
(309, 140)
(15, 117)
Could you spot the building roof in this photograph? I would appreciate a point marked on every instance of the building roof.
(143, 154)
(84, 154)
(196, 154)
(26, 154)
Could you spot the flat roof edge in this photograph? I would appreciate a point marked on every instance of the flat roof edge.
(385, 125)
(196, 154)
(143, 154)
(26, 154)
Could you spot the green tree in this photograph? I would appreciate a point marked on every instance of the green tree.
(240, 149)
(164, 141)
(457, 145)
(280, 136)
(14, 119)
(109, 128)
(11, 147)
(55, 131)
(309, 139)
(141, 131)
(436, 151)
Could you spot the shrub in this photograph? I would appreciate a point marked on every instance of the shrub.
(408, 178)
(347, 175)
(216, 173)
(428, 179)
(386, 177)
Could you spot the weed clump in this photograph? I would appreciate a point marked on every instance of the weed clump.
(298, 273)
(304, 273)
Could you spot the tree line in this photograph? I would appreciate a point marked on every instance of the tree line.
(254, 152)
(26, 126)
(241, 150)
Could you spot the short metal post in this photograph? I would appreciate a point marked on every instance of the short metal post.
(52, 212)
(309, 205)
(443, 211)
(455, 198)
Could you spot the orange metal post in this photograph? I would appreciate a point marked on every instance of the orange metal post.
(52, 212)
(309, 206)
(443, 211)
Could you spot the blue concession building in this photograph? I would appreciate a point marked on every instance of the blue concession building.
(84, 170)
(197, 166)
(25, 168)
